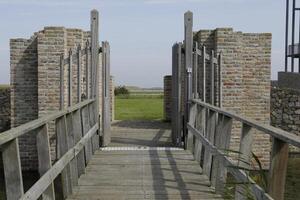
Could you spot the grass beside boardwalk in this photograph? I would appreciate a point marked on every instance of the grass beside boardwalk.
(139, 106)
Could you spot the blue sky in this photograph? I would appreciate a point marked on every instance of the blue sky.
(141, 32)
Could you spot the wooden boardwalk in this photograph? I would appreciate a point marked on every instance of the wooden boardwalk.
(141, 164)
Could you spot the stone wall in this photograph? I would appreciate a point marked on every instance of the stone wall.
(285, 110)
(35, 80)
(167, 98)
(4, 109)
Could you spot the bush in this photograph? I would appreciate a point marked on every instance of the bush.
(121, 90)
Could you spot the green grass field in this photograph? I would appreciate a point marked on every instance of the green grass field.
(139, 105)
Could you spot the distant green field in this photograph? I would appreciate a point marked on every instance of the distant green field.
(4, 86)
(139, 105)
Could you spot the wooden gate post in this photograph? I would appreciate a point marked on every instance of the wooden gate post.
(106, 93)
(95, 62)
(176, 94)
(188, 61)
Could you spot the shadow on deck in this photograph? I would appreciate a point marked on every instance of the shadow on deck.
(141, 163)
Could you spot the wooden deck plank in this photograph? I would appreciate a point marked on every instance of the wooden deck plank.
(140, 172)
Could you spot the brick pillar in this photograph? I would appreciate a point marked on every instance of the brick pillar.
(24, 94)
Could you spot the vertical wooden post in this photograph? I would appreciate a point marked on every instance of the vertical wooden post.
(222, 142)
(220, 65)
(176, 94)
(106, 94)
(70, 85)
(77, 136)
(12, 170)
(44, 158)
(188, 47)
(95, 62)
(245, 155)
(203, 57)
(61, 132)
(87, 71)
(211, 127)
(277, 174)
(212, 78)
(79, 74)
(62, 92)
(192, 120)
(195, 71)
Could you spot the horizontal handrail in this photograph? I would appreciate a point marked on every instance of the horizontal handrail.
(14, 133)
(273, 131)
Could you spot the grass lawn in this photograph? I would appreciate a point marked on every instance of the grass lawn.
(137, 107)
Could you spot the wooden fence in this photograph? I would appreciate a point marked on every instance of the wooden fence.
(205, 129)
(77, 130)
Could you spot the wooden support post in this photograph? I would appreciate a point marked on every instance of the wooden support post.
(85, 128)
(245, 155)
(188, 49)
(79, 74)
(95, 62)
(222, 142)
(176, 94)
(212, 78)
(12, 170)
(220, 65)
(203, 57)
(62, 92)
(44, 159)
(70, 144)
(200, 125)
(106, 115)
(277, 174)
(61, 132)
(70, 86)
(195, 71)
(211, 126)
(77, 136)
(87, 70)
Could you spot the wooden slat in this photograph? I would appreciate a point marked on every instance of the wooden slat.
(70, 80)
(195, 72)
(212, 79)
(92, 121)
(85, 128)
(211, 125)
(44, 159)
(87, 70)
(223, 142)
(245, 155)
(41, 185)
(70, 144)
(273, 131)
(12, 170)
(61, 132)
(61, 82)
(192, 120)
(220, 85)
(218, 138)
(200, 125)
(77, 136)
(79, 74)
(277, 173)
(203, 61)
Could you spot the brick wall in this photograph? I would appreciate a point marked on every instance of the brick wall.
(4, 109)
(35, 80)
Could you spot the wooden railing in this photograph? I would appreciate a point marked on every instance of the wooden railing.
(76, 128)
(209, 130)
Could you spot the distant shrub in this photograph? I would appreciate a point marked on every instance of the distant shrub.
(121, 90)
